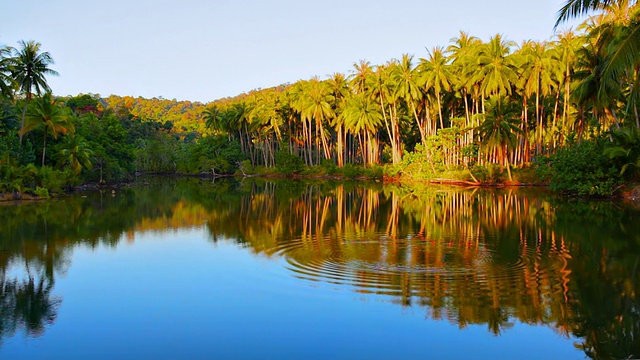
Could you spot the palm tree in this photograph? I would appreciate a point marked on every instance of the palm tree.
(75, 153)
(462, 52)
(47, 114)
(436, 75)
(213, 118)
(6, 66)
(575, 8)
(362, 117)
(496, 71)
(317, 107)
(407, 86)
(339, 89)
(29, 69)
(619, 32)
(499, 127)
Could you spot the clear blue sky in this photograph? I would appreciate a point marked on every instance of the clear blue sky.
(204, 50)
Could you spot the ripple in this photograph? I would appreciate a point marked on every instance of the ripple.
(414, 266)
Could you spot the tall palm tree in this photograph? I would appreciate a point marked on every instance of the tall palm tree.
(363, 117)
(30, 66)
(408, 87)
(7, 83)
(47, 114)
(339, 89)
(436, 75)
(462, 52)
(496, 71)
(317, 107)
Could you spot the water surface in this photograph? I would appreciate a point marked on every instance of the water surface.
(292, 269)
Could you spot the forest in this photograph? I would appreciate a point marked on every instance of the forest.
(562, 111)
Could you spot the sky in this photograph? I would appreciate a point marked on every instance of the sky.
(202, 50)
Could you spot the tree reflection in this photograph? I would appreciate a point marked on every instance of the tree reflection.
(26, 304)
(487, 257)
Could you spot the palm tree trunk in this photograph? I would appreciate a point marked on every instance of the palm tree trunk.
(24, 114)
(440, 110)
(44, 147)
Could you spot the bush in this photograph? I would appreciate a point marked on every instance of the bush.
(374, 172)
(350, 171)
(54, 181)
(581, 169)
(288, 164)
(42, 193)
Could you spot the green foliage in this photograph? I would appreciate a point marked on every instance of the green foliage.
(288, 164)
(373, 172)
(54, 180)
(487, 174)
(83, 103)
(626, 150)
(15, 178)
(350, 171)
(41, 192)
(210, 154)
(581, 169)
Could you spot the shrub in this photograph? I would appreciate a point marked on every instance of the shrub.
(582, 169)
(288, 164)
(42, 193)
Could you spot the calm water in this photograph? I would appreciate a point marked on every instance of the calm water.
(262, 269)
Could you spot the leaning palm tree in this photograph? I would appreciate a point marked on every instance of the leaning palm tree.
(575, 8)
(620, 29)
(30, 66)
(47, 114)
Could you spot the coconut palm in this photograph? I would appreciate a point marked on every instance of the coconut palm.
(408, 87)
(363, 117)
(30, 66)
(462, 52)
(436, 75)
(213, 118)
(317, 107)
(496, 69)
(339, 89)
(47, 114)
(7, 83)
(499, 128)
(575, 8)
(619, 35)
(75, 152)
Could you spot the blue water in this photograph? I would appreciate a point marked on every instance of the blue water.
(178, 294)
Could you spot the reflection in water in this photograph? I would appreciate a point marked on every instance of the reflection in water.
(26, 304)
(488, 257)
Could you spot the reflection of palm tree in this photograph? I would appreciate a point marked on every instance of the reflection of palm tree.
(27, 304)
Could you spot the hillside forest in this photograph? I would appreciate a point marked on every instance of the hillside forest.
(562, 111)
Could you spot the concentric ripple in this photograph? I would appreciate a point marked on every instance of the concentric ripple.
(414, 266)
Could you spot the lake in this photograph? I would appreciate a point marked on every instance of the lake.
(318, 269)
